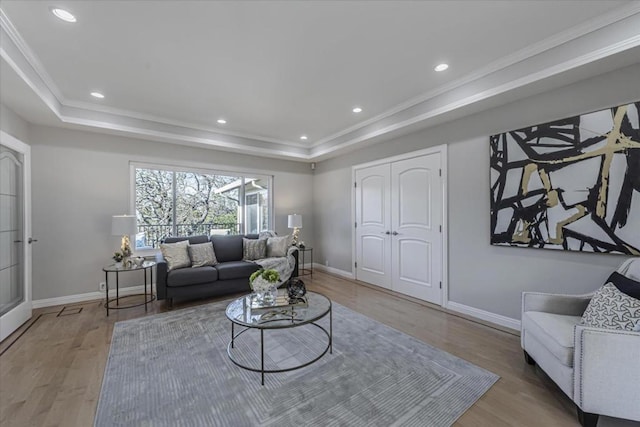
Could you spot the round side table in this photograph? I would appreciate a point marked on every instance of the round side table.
(146, 266)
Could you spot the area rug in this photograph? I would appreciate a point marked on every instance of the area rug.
(172, 369)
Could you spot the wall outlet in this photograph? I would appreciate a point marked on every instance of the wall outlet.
(102, 286)
(326, 262)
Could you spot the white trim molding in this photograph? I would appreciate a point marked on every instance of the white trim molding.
(610, 34)
(89, 296)
(487, 316)
(331, 270)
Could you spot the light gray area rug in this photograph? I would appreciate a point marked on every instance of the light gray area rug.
(172, 369)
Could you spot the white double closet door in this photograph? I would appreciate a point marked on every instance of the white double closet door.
(399, 210)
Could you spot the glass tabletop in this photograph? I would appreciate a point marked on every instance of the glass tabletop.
(239, 311)
(145, 264)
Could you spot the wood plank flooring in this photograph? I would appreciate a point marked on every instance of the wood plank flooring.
(52, 374)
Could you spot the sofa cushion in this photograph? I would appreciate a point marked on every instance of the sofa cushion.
(278, 246)
(254, 249)
(202, 255)
(176, 254)
(193, 240)
(554, 331)
(236, 270)
(192, 276)
(227, 248)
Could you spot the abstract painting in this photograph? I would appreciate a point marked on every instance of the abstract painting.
(571, 184)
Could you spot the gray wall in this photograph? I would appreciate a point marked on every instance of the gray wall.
(81, 179)
(13, 124)
(480, 275)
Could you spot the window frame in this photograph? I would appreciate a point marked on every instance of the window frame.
(194, 168)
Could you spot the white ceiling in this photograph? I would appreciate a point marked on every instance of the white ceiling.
(278, 69)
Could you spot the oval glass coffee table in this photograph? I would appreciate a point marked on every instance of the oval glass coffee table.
(240, 313)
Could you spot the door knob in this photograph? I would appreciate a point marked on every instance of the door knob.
(32, 240)
(385, 232)
(395, 233)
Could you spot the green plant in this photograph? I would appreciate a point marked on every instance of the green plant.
(270, 275)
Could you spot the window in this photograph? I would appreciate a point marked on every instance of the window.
(175, 202)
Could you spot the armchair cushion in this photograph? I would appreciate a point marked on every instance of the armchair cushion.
(554, 331)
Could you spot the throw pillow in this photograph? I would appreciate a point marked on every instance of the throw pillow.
(254, 249)
(611, 309)
(176, 254)
(278, 246)
(202, 255)
(625, 285)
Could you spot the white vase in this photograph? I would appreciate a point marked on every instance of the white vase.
(265, 291)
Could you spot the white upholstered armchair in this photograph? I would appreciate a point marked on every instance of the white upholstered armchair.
(599, 369)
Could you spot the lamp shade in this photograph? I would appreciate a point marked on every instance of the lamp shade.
(295, 220)
(123, 225)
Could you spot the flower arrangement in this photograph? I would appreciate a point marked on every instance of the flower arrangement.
(262, 279)
(117, 256)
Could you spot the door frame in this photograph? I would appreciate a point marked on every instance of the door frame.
(25, 149)
(442, 149)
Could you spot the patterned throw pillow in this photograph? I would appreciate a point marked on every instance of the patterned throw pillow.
(254, 249)
(176, 254)
(202, 255)
(612, 309)
(278, 246)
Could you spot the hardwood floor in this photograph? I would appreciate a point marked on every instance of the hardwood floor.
(51, 375)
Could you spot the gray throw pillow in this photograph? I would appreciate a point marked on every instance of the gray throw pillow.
(202, 255)
(176, 254)
(254, 249)
(278, 246)
(612, 309)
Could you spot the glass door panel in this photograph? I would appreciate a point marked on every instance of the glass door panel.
(15, 229)
(11, 230)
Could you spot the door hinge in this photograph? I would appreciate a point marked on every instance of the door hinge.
(441, 229)
(356, 224)
(440, 171)
(355, 264)
(355, 185)
(440, 285)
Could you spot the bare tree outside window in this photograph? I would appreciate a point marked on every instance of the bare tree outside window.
(175, 203)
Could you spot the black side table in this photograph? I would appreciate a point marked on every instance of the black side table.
(148, 296)
(303, 255)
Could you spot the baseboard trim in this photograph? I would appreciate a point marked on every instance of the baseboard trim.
(336, 271)
(487, 316)
(89, 296)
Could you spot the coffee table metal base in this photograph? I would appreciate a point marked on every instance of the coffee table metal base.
(262, 370)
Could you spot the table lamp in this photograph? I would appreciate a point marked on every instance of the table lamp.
(295, 222)
(124, 225)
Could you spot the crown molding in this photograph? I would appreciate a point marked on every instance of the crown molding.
(549, 43)
(491, 81)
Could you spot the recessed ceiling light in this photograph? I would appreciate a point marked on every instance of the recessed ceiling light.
(222, 121)
(97, 95)
(357, 110)
(65, 15)
(303, 137)
(441, 67)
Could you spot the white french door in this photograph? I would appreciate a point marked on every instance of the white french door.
(15, 229)
(416, 239)
(373, 225)
(399, 217)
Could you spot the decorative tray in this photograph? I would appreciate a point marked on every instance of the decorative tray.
(281, 301)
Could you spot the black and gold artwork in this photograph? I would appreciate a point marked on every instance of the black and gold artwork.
(571, 184)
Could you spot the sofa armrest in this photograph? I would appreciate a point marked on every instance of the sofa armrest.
(607, 372)
(161, 277)
(569, 305)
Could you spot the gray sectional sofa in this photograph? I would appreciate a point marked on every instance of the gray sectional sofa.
(230, 275)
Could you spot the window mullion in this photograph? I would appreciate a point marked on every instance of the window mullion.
(174, 215)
